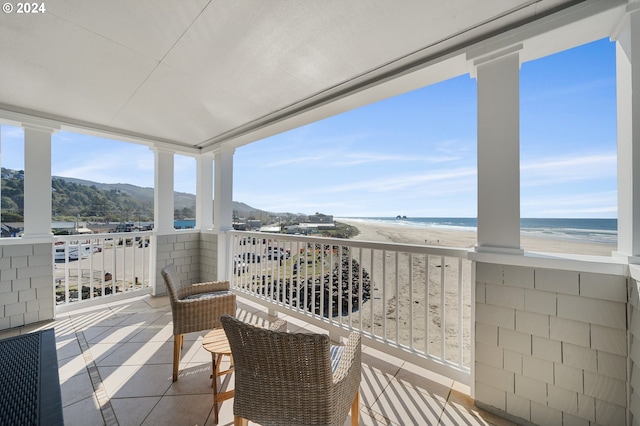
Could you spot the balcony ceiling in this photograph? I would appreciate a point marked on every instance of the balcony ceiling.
(199, 73)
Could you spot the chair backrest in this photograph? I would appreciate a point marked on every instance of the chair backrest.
(174, 285)
(279, 375)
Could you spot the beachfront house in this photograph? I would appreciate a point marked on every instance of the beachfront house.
(553, 338)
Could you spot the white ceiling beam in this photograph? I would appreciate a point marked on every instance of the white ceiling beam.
(14, 118)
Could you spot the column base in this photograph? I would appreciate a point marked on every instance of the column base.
(627, 258)
(499, 250)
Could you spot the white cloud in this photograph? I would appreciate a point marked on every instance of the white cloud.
(558, 91)
(568, 169)
(118, 166)
(12, 132)
(357, 158)
(295, 160)
(400, 182)
(600, 204)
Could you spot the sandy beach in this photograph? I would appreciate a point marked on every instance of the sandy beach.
(399, 305)
(463, 239)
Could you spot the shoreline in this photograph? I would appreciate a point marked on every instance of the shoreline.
(466, 239)
(424, 309)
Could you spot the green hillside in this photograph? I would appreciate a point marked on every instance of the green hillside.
(93, 201)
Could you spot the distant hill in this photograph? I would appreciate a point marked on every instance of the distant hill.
(111, 201)
(181, 200)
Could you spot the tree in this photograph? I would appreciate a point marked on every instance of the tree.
(12, 217)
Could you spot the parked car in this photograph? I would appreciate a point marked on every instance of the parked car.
(239, 266)
(250, 257)
(277, 253)
(74, 253)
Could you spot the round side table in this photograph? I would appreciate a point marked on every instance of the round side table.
(216, 342)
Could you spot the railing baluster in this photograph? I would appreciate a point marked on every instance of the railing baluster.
(125, 267)
(386, 285)
(411, 318)
(427, 308)
(350, 289)
(330, 289)
(372, 293)
(460, 320)
(278, 282)
(112, 266)
(67, 275)
(443, 313)
(309, 301)
(307, 287)
(232, 261)
(384, 294)
(397, 296)
(247, 281)
(79, 273)
(360, 285)
(301, 279)
(91, 269)
(145, 250)
(132, 261)
(339, 302)
(102, 275)
(322, 289)
(269, 276)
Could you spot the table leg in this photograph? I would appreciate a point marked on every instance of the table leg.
(214, 383)
(218, 395)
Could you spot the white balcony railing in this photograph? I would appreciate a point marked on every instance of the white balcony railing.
(90, 267)
(409, 300)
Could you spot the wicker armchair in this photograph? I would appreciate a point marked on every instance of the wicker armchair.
(292, 378)
(195, 307)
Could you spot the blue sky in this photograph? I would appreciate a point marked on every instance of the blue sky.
(414, 154)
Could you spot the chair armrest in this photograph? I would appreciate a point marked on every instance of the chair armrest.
(347, 376)
(207, 287)
(279, 325)
(351, 358)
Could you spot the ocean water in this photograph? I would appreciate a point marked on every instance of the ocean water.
(588, 230)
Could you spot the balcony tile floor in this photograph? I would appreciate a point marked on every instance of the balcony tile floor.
(115, 369)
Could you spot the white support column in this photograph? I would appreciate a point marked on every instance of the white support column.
(223, 196)
(204, 192)
(223, 205)
(37, 182)
(163, 197)
(628, 110)
(0, 169)
(499, 152)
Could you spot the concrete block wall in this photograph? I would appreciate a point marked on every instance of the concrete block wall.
(26, 284)
(551, 345)
(182, 249)
(208, 256)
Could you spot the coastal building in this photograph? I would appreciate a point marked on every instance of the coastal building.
(254, 223)
(320, 218)
(271, 228)
(240, 226)
(553, 337)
